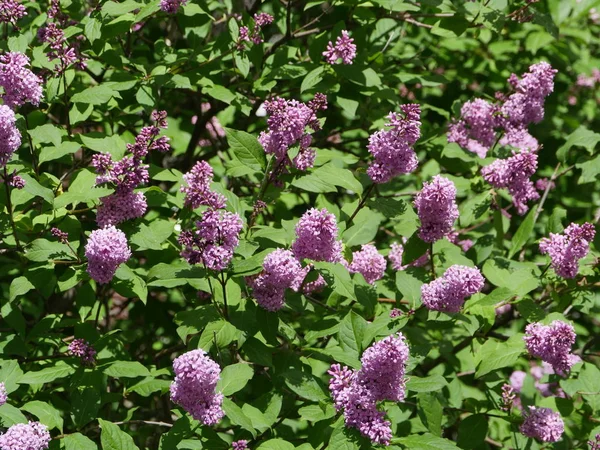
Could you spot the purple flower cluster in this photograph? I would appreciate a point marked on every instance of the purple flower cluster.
(62, 236)
(344, 49)
(542, 424)
(369, 263)
(60, 49)
(25, 436)
(20, 84)
(514, 175)
(281, 271)
(106, 250)
(260, 20)
(393, 148)
(395, 257)
(128, 173)
(82, 349)
(476, 129)
(198, 192)
(288, 120)
(213, 240)
(10, 137)
(437, 209)
(448, 293)
(381, 377)
(171, 6)
(481, 121)
(552, 344)
(239, 445)
(11, 11)
(196, 377)
(3, 394)
(595, 444)
(567, 249)
(316, 237)
(508, 397)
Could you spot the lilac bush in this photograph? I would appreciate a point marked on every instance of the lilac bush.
(313, 225)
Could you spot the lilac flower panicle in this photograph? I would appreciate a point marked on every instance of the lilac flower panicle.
(314, 286)
(508, 397)
(62, 236)
(542, 424)
(476, 129)
(106, 250)
(11, 11)
(10, 137)
(260, 20)
(25, 436)
(83, 350)
(595, 444)
(171, 6)
(281, 271)
(437, 209)
(239, 445)
(344, 49)
(369, 263)
(395, 256)
(3, 394)
(20, 84)
(16, 181)
(393, 148)
(514, 175)
(213, 240)
(196, 377)
(120, 207)
(60, 49)
(382, 377)
(448, 293)
(316, 237)
(552, 344)
(198, 192)
(567, 249)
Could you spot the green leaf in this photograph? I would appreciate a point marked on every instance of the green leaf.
(414, 249)
(127, 283)
(78, 441)
(409, 286)
(276, 444)
(523, 234)
(19, 286)
(92, 30)
(48, 374)
(220, 332)
(494, 355)
(351, 333)
(472, 431)
(536, 40)
(365, 227)
(82, 190)
(112, 438)
(312, 78)
(237, 416)
(47, 133)
(95, 95)
(58, 151)
(85, 404)
(305, 385)
(589, 377)
(126, 369)
(149, 386)
(430, 412)
(10, 374)
(9, 415)
(581, 137)
(426, 441)
(342, 438)
(35, 188)
(247, 149)
(389, 207)
(234, 378)
(46, 413)
(427, 384)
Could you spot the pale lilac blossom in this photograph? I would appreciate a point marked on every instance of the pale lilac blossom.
(316, 237)
(552, 344)
(106, 250)
(20, 84)
(437, 209)
(449, 292)
(25, 436)
(542, 424)
(10, 137)
(568, 248)
(369, 263)
(344, 49)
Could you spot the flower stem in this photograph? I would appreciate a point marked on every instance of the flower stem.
(361, 204)
(10, 210)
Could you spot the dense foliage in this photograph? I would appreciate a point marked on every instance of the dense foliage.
(291, 224)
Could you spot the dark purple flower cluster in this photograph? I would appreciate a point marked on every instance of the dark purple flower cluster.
(196, 377)
(393, 148)
(552, 344)
(260, 20)
(20, 84)
(288, 120)
(316, 237)
(481, 121)
(11, 11)
(449, 292)
(10, 137)
(106, 250)
(62, 237)
(381, 377)
(82, 349)
(542, 424)
(198, 191)
(213, 240)
(171, 6)
(344, 49)
(567, 249)
(25, 436)
(128, 173)
(437, 209)
(514, 175)
(595, 444)
(281, 271)
(60, 49)
(239, 445)
(369, 263)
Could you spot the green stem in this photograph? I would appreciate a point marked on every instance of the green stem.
(224, 287)
(361, 204)
(498, 226)
(10, 210)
